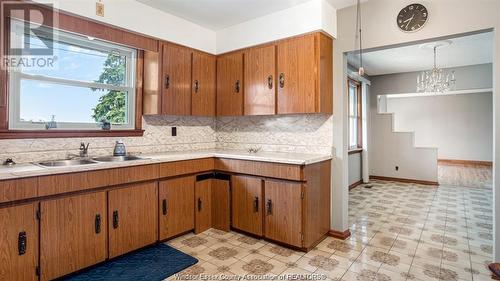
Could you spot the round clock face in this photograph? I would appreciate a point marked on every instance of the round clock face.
(412, 17)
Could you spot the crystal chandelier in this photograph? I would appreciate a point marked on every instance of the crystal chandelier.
(436, 80)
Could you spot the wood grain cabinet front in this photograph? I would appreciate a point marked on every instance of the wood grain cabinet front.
(176, 198)
(176, 84)
(19, 242)
(203, 205)
(203, 85)
(247, 203)
(132, 217)
(73, 234)
(230, 84)
(260, 77)
(283, 212)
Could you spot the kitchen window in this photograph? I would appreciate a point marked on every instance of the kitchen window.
(91, 82)
(355, 120)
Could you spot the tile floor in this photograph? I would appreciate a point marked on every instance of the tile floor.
(399, 232)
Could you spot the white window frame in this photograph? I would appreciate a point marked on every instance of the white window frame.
(15, 77)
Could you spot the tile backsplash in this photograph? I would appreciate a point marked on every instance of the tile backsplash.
(305, 133)
(311, 133)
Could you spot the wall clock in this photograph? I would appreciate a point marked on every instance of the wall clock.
(412, 17)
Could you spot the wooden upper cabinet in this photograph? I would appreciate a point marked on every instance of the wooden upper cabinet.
(260, 77)
(73, 234)
(176, 80)
(203, 85)
(305, 74)
(132, 217)
(19, 224)
(230, 84)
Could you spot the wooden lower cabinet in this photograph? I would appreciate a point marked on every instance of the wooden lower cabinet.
(73, 233)
(176, 206)
(221, 204)
(19, 224)
(203, 209)
(132, 217)
(247, 204)
(283, 214)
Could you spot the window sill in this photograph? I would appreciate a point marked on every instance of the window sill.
(355, 150)
(26, 134)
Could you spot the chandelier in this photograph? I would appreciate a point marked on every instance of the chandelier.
(436, 80)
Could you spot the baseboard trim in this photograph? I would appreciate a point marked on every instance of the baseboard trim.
(465, 162)
(404, 180)
(355, 184)
(339, 234)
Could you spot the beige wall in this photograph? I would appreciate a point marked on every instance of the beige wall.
(446, 17)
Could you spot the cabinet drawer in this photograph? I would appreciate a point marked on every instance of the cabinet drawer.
(256, 168)
(133, 174)
(186, 167)
(55, 184)
(12, 190)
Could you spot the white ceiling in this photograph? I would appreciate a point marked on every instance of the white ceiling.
(467, 50)
(218, 14)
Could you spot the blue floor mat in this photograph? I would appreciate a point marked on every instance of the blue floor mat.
(154, 263)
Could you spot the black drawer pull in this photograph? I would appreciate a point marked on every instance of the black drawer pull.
(282, 80)
(164, 206)
(237, 86)
(256, 204)
(97, 224)
(199, 204)
(269, 207)
(270, 81)
(115, 219)
(167, 81)
(21, 243)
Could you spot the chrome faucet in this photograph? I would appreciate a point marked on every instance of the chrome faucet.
(84, 150)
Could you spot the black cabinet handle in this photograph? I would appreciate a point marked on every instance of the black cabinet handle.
(115, 219)
(164, 206)
(199, 204)
(270, 81)
(269, 207)
(237, 86)
(196, 86)
(282, 80)
(97, 224)
(256, 204)
(167, 81)
(21, 243)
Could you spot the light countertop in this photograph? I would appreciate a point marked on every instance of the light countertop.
(32, 170)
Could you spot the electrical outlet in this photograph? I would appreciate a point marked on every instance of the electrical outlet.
(397, 168)
(174, 131)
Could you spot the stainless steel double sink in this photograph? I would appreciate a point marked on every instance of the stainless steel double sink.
(88, 161)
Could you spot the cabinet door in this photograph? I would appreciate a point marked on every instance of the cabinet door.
(283, 217)
(230, 85)
(203, 85)
(297, 75)
(203, 211)
(176, 94)
(260, 86)
(18, 224)
(221, 212)
(132, 217)
(176, 206)
(247, 204)
(73, 234)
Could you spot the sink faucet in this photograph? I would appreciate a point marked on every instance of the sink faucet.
(84, 149)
